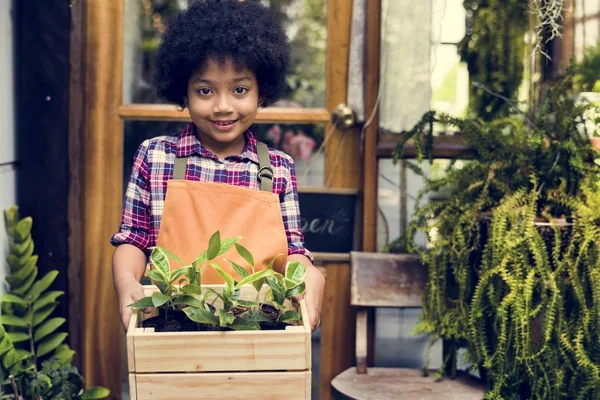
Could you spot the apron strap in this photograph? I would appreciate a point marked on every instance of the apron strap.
(179, 168)
(265, 171)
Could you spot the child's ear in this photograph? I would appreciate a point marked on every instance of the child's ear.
(261, 101)
(185, 101)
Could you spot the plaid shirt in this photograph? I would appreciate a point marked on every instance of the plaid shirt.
(153, 167)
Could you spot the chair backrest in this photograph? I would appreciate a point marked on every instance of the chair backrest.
(382, 280)
(387, 280)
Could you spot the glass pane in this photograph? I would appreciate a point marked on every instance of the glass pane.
(302, 142)
(450, 16)
(449, 81)
(299, 141)
(305, 22)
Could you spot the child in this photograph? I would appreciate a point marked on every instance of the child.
(221, 60)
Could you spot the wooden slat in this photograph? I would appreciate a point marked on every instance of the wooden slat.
(220, 351)
(132, 387)
(361, 341)
(77, 109)
(342, 170)
(337, 326)
(331, 257)
(169, 112)
(444, 146)
(103, 154)
(133, 323)
(231, 386)
(370, 177)
(387, 280)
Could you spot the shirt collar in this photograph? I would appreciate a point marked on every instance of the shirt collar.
(189, 144)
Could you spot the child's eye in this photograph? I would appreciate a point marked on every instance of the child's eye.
(204, 91)
(240, 90)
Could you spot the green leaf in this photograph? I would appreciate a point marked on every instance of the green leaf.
(12, 320)
(5, 343)
(246, 303)
(295, 271)
(23, 258)
(277, 289)
(200, 259)
(13, 298)
(142, 303)
(241, 324)
(258, 284)
(14, 356)
(214, 245)
(26, 284)
(64, 354)
(96, 392)
(290, 316)
(13, 263)
(158, 299)
(47, 328)
(238, 269)
(40, 286)
(188, 300)
(228, 278)
(191, 288)
(50, 343)
(255, 277)
(176, 274)
(161, 261)
(246, 255)
(201, 316)
(228, 243)
(17, 337)
(255, 316)
(194, 276)
(47, 298)
(22, 273)
(40, 315)
(296, 291)
(171, 255)
(270, 266)
(19, 248)
(225, 319)
(11, 215)
(23, 229)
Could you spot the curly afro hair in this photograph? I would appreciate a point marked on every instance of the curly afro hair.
(244, 31)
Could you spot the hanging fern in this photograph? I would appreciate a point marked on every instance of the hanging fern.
(522, 299)
(35, 361)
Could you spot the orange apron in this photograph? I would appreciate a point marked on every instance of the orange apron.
(193, 211)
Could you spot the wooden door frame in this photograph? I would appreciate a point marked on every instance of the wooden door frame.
(102, 190)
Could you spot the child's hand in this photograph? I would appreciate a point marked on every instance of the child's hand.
(129, 293)
(313, 295)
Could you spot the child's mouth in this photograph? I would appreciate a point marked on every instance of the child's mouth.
(224, 125)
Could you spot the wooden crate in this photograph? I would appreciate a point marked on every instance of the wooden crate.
(233, 365)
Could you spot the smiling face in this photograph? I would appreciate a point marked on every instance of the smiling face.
(222, 102)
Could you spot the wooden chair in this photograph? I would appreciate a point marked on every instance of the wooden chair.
(392, 280)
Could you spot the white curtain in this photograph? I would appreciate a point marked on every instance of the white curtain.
(408, 34)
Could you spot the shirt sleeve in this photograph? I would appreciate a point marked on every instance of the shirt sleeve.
(290, 211)
(135, 219)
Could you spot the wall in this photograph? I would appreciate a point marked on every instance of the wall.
(8, 159)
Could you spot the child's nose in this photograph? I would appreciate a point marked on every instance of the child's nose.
(222, 104)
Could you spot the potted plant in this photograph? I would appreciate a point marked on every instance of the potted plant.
(513, 251)
(35, 361)
(245, 332)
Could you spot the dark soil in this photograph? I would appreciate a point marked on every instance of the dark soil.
(177, 321)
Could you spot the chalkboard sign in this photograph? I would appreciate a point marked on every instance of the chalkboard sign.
(328, 218)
